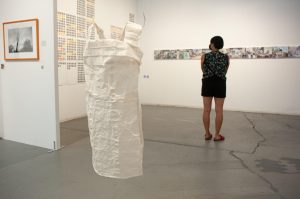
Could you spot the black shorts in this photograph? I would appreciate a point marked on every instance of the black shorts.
(213, 87)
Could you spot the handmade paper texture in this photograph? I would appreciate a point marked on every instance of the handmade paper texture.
(113, 108)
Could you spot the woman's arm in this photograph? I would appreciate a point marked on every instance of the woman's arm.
(202, 62)
(228, 63)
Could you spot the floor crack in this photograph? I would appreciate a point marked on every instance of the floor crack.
(272, 187)
(257, 132)
(232, 153)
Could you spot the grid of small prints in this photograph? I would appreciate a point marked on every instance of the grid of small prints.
(72, 36)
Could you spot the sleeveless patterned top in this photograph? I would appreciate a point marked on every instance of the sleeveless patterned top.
(215, 64)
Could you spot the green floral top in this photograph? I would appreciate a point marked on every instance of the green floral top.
(215, 64)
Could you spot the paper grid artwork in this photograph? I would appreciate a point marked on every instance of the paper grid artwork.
(80, 48)
(71, 49)
(90, 8)
(114, 113)
(71, 25)
(62, 67)
(72, 36)
(81, 7)
(61, 24)
(71, 65)
(92, 35)
(81, 75)
(234, 53)
(61, 45)
(116, 32)
(81, 27)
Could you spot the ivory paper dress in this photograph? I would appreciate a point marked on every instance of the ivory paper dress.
(113, 108)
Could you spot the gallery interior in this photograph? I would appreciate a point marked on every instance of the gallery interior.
(45, 125)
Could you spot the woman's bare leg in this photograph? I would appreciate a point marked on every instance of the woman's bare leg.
(206, 113)
(219, 102)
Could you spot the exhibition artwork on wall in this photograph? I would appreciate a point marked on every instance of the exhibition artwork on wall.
(72, 36)
(234, 53)
(21, 40)
(72, 33)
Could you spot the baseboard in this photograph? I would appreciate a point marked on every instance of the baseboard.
(73, 118)
(194, 107)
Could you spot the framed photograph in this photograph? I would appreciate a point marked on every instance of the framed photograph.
(21, 40)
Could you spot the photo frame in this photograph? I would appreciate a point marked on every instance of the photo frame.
(21, 40)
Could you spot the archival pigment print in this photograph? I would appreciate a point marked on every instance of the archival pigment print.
(294, 52)
(234, 53)
(21, 40)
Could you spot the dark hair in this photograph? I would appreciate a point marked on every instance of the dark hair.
(217, 41)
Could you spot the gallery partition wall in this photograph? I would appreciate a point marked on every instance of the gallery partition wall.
(29, 101)
(1, 110)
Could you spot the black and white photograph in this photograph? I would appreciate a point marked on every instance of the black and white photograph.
(294, 51)
(233, 53)
(224, 50)
(237, 53)
(171, 54)
(165, 54)
(183, 54)
(268, 52)
(257, 52)
(195, 54)
(21, 41)
(205, 50)
(280, 52)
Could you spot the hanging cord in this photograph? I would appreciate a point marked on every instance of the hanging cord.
(144, 19)
(99, 31)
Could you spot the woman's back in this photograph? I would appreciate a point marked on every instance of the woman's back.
(215, 64)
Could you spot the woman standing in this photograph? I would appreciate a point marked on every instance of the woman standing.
(214, 66)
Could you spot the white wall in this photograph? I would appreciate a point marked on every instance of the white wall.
(29, 94)
(253, 85)
(1, 104)
(1, 111)
(107, 13)
(114, 12)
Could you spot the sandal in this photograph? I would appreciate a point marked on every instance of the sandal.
(219, 138)
(208, 137)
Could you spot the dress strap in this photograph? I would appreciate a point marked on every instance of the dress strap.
(99, 31)
(131, 33)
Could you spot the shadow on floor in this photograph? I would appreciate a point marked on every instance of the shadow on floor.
(74, 130)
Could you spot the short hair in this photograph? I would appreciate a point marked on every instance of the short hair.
(217, 41)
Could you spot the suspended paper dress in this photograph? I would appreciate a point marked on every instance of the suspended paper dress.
(113, 108)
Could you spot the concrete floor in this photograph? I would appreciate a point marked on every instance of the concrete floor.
(259, 159)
